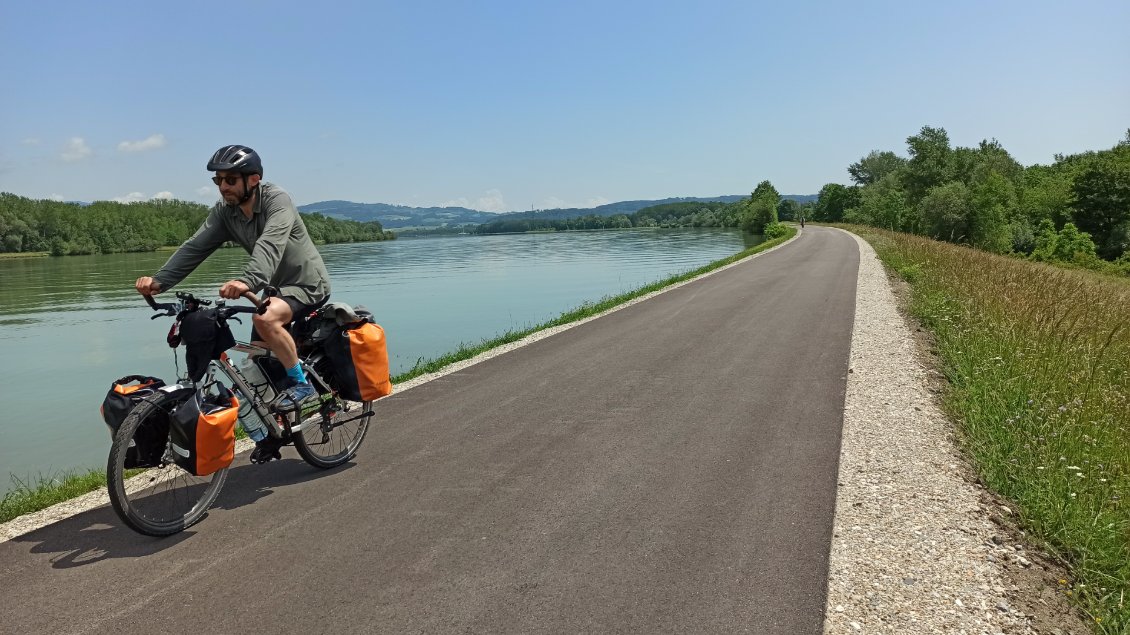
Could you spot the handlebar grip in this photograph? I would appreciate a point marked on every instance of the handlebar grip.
(151, 301)
(260, 306)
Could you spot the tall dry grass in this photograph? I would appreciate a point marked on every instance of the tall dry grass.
(1038, 363)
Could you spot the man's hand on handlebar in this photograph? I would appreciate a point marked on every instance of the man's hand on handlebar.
(146, 285)
(233, 289)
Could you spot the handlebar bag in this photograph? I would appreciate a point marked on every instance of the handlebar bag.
(205, 337)
(358, 355)
(202, 430)
(148, 444)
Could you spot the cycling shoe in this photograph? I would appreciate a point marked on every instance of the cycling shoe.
(266, 450)
(292, 398)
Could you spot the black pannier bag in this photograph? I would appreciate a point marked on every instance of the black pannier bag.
(358, 357)
(205, 339)
(150, 438)
(202, 433)
(311, 331)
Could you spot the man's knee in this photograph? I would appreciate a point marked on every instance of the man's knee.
(273, 319)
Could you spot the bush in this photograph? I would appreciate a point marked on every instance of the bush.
(775, 230)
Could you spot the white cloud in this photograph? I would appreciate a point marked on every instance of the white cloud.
(56, 197)
(552, 203)
(206, 191)
(153, 142)
(491, 201)
(135, 197)
(555, 203)
(76, 150)
(132, 197)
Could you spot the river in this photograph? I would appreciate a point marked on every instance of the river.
(70, 326)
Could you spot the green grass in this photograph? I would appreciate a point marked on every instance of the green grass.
(1037, 360)
(24, 254)
(33, 495)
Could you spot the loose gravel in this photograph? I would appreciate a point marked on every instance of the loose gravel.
(914, 549)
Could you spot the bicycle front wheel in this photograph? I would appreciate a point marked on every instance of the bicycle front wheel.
(149, 492)
(330, 435)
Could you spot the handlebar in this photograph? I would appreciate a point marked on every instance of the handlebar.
(191, 303)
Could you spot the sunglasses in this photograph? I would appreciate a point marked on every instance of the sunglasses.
(230, 180)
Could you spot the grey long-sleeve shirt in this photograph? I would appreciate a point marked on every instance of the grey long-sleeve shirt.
(282, 254)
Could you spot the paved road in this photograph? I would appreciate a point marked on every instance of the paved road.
(670, 467)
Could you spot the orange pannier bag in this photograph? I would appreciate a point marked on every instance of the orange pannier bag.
(359, 357)
(203, 431)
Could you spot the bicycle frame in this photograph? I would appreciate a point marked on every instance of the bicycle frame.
(278, 425)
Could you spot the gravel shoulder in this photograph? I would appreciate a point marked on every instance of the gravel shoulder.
(918, 546)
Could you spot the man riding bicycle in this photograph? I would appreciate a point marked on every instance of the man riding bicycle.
(261, 218)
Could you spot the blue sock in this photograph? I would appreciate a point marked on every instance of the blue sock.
(296, 373)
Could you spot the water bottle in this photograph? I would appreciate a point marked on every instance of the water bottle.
(255, 377)
(252, 423)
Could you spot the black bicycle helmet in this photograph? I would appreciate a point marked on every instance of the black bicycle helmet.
(236, 159)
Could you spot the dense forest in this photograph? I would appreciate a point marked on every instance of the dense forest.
(1074, 211)
(29, 225)
(763, 207)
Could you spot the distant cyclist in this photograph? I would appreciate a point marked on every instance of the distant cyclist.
(261, 218)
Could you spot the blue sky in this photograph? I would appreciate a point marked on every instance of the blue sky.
(508, 105)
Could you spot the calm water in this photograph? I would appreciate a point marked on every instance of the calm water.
(70, 326)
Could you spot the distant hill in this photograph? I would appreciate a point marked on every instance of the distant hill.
(401, 216)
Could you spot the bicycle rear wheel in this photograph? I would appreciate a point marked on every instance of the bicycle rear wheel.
(150, 493)
(330, 435)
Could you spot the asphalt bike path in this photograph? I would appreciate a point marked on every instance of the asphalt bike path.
(669, 467)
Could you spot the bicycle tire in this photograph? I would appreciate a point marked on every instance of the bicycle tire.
(332, 442)
(164, 499)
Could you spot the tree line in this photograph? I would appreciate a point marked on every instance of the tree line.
(1074, 211)
(763, 209)
(62, 229)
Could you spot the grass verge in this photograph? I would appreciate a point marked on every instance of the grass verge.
(1037, 360)
(34, 495)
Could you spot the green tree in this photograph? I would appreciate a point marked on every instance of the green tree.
(930, 162)
(882, 204)
(761, 208)
(835, 199)
(788, 209)
(1101, 205)
(875, 166)
(994, 202)
(945, 212)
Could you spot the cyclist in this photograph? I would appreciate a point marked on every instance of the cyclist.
(260, 217)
